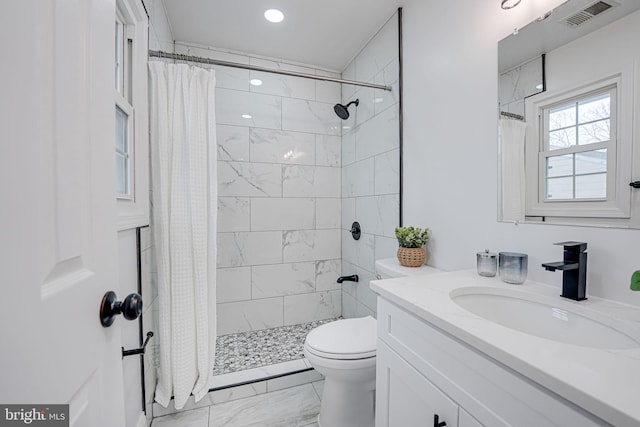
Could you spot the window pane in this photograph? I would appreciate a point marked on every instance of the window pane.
(121, 131)
(122, 152)
(591, 162)
(591, 186)
(596, 108)
(560, 188)
(594, 132)
(122, 176)
(562, 138)
(119, 54)
(562, 117)
(560, 165)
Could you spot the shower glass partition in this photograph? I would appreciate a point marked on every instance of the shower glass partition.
(371, 165)
(279, 184)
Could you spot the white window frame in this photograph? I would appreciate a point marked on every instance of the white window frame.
(610, 145)
(133, 208)
(616, 208)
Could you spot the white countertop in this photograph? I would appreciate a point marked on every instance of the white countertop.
(601, 381)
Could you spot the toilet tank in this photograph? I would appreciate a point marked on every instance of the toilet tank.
(389, 268)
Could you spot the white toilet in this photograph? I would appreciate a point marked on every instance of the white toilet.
(344, 352)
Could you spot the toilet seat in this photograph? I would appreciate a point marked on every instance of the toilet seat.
(345, 339)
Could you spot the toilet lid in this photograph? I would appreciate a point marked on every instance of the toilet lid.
(344, 339)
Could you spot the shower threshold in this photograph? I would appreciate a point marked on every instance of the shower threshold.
(248, 357)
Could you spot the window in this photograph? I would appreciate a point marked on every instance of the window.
(124, 141)
(131, 131)
(578, 135)
(578, 156)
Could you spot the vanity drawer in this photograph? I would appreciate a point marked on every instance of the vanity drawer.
(491, 392)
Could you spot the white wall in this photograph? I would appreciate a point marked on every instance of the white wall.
(370, 173)
(450, 131)
(600, 54)
(160, 33)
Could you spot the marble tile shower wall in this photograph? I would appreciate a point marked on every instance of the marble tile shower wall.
(370, 167)
(279, 188)
(518, 83)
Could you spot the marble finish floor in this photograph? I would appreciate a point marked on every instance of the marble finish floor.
(248, 350)
(291, 407)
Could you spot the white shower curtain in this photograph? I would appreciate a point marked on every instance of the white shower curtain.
(512, 138)
(184, 200)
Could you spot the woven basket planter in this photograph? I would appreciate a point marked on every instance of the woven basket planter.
(411, 257)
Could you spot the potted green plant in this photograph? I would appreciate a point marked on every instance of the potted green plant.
(411, 252)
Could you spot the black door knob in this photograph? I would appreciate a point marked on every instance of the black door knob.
(130, 308)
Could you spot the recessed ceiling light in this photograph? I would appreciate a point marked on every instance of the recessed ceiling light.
(246, 116)
(255, 82)
(273, 15)
(539, 86)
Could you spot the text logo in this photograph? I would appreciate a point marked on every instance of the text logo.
(34, 415)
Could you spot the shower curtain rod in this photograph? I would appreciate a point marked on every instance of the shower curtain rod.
(511, 115)
(198, 59)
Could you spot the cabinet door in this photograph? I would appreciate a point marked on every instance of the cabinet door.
(405, 398)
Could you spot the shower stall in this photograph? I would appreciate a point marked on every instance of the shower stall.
(299, 160)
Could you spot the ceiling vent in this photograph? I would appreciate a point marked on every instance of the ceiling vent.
(588, 12)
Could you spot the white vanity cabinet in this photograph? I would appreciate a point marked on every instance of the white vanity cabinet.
(423, 371)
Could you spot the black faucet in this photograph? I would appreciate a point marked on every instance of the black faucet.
(574, 270)
(353, 278)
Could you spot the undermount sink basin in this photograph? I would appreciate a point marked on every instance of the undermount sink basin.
(546, 318)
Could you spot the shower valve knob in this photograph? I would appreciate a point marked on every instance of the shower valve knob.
(356, 231)
(130, 308)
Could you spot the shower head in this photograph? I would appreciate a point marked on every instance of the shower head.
(343, 110)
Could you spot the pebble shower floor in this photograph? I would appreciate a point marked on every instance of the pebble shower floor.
(247, 350)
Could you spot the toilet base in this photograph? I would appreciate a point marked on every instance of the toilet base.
(347, 404)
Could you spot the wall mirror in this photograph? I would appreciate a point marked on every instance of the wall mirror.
(568, 133)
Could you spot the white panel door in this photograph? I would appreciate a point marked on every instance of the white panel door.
(57, 208)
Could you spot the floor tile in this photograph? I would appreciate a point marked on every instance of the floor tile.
(238, 392)
(292, 407)
(293, 380)
(195, 418)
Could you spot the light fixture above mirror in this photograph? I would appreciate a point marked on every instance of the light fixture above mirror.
(509, 4)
